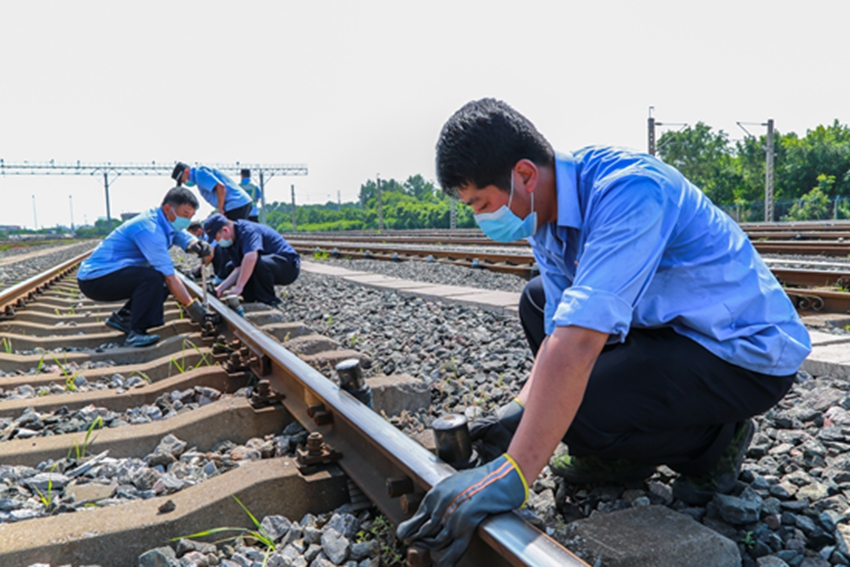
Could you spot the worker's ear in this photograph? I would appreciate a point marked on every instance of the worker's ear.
(169, 212)
(528, 175)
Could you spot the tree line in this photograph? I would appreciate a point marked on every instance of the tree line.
(811, 173)
(414, 203)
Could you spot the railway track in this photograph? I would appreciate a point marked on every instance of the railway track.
(821, 290)
(59, 360)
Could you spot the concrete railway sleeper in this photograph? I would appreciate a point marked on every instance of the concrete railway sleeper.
(292, 447)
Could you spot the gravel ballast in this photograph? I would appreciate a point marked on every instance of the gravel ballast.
(789, 507)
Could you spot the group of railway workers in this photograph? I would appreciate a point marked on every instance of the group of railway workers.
(657, 329)
(133, 263)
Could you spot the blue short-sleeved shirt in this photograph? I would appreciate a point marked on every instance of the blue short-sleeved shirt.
(254, 192)
(142, 241)
(206, 178)
(252, 236)
(637, 245)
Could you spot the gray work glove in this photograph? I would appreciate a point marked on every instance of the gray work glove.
(491, 435)
(199, 247)
(197, 312)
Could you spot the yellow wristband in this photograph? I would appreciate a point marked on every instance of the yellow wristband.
(519, 401)
(521, 477)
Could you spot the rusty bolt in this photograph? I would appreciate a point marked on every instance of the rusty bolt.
(399, 486)
(315, 444)
(322, 418)
(264, 388)
(418, 557)
(410, 502)
(314, 409)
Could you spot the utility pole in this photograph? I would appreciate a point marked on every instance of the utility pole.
(106, 189)
(453, 214)
(380, 204)
(294, 228)
(768, 174)
(768, 166)
(650, 127)
(262, 198)
(651, 124)
(34, 215)
(71, 202)
(338, 200)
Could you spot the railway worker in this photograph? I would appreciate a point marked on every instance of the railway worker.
(260, 258)
(196, 229)
(132, 263)
(658, 331)
(217, 189)
(253, 191)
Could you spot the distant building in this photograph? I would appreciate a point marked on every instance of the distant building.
(127, 216)
(10, 227)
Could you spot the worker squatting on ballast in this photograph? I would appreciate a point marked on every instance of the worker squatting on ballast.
(132, 263)
(657, 329)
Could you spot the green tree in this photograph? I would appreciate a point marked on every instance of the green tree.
(824, 150)
(705, 158)
(814, 205)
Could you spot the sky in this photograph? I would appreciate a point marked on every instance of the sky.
(356, 89)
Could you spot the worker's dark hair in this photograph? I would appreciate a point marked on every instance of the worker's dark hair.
(482, 141)
(177, 196)
(195, 225)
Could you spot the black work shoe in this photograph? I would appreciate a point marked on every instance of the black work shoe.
(698, 490)
(137, 339)
(584, 470)
(117, 321)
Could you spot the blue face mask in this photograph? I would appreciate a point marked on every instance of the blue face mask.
(180, 223)
(225, 242)
(503, 225)
(189, 183)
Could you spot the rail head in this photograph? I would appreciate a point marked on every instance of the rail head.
(16, 295)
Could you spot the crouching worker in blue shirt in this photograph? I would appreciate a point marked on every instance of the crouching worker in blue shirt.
(217, 189)
(132, 263)
(657, 329)
(259, 259)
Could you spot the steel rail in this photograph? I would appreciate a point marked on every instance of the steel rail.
(16, 296)
(479, 240)
(373, 452)
(810, 247)
(811, 278)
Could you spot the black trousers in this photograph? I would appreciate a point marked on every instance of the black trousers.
(659, 397)
(270, 270)
(143, 288)
(239, 213)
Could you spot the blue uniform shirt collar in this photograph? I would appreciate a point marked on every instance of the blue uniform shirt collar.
(162, 221)
(566, 187)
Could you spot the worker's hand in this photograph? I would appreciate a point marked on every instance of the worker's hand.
(197, 312)
(492, 435)
(447, 517)
(199, 247)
